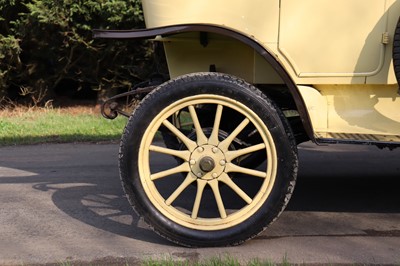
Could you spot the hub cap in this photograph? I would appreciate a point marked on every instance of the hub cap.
(207, 162)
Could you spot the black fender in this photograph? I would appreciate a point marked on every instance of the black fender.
(264, 52)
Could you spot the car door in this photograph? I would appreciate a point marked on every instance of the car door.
(333, 38)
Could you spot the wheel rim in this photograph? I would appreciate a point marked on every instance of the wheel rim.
(207, 163)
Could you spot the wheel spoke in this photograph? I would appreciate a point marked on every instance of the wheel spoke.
(230, 155)
(175, 120)
(190, 144)
(228, 181)
(179, 169)
(213, 140)
(190, 178)
(226, 142)
(230, 167)
(199, 194)
(185, 155)
(201, 138)
(214, 186)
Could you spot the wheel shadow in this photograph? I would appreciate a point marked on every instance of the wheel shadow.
(88, 190)
(106, 209)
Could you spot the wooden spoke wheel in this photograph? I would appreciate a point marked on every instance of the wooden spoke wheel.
(206, 198)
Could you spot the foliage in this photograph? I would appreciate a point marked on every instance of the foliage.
(9, 59)
(46, 47)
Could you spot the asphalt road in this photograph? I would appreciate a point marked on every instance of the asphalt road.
(64, 202)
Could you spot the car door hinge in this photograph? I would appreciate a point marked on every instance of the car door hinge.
(385, 38)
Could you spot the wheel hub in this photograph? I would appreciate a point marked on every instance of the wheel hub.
(207, 162)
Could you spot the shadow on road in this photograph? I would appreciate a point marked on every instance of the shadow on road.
(347, 178)
(338, 181)
(83, 183)
(353, 194)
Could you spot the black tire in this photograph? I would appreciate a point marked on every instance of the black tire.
(396, 52)
(210, 206)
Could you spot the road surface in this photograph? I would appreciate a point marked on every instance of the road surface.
(64, 202)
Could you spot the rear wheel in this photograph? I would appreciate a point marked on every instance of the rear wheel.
(396, 51)
(206, 197)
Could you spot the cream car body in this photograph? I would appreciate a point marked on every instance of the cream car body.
(338, 53)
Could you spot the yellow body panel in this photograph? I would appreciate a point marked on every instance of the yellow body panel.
(185, 54)
(324, 41)
(354, 112)
(258, 18)
(339, 53)
(315, 37)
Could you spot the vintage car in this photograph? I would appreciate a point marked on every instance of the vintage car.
(209, 157)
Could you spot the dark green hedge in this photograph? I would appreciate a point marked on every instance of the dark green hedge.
(46, 48)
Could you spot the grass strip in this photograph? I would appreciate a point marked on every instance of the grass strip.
(222, 260)
(27, 126)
